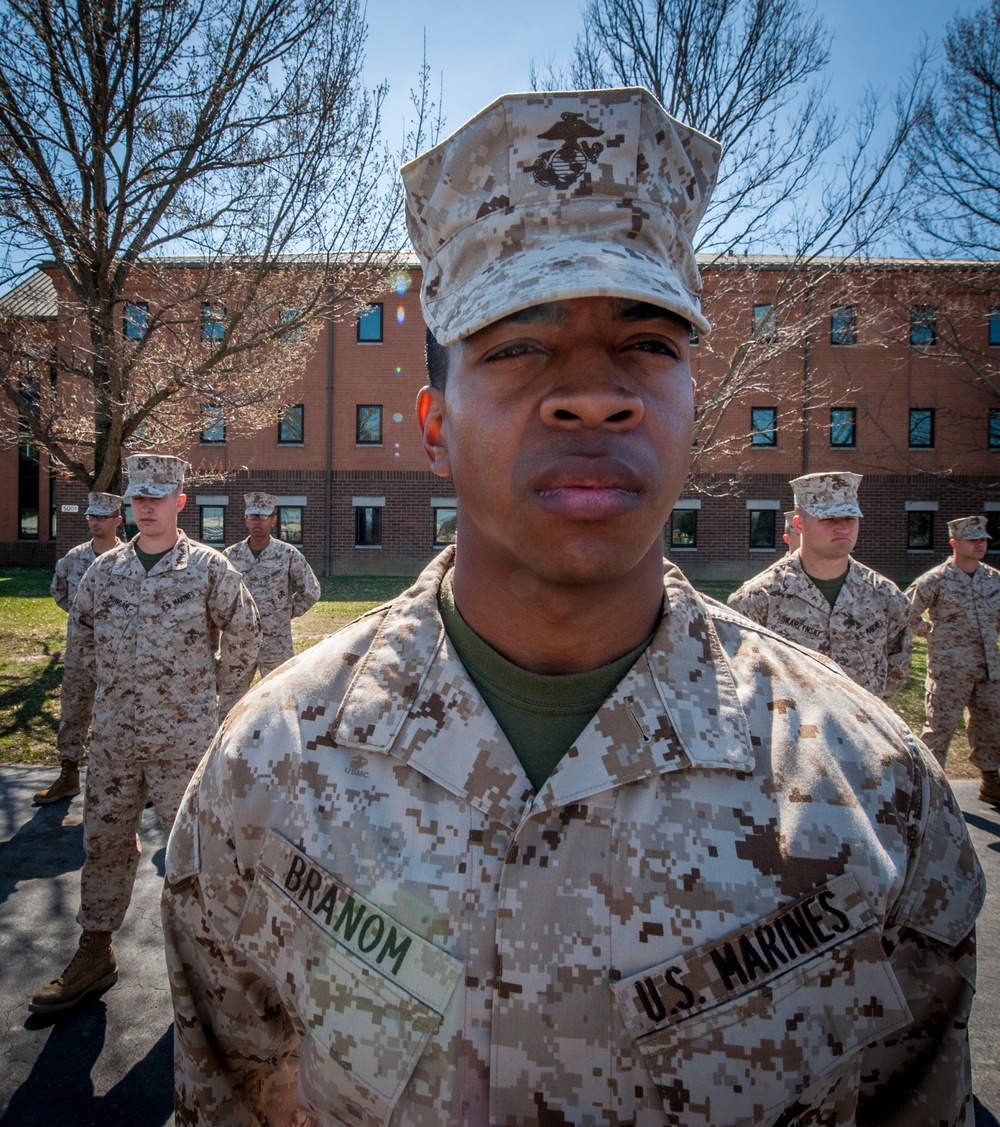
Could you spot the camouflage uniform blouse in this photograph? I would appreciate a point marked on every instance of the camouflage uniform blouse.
(171, 651)
(281, 581)
(740, 898)
(964, 617)
(867, 631)
(69, 571)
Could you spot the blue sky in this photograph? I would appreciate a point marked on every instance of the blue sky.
(484, 50)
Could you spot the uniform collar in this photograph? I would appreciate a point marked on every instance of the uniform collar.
(175, 560)
(677, 707)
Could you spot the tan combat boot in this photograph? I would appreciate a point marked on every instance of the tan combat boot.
(989, 788)
(93, 968)
(66, 786)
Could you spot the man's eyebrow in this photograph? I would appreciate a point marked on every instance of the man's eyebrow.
(646, 311)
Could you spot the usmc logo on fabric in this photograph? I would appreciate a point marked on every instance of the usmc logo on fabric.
(357, 767)
(559, 168)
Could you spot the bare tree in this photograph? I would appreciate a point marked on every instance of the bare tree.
(203, 181)
(796, 178)
(954, 149)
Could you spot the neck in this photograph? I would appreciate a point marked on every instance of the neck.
(103, 543)
(968, 566)
(554, 628)
(819, 567)
(259, 543)
(153, 545)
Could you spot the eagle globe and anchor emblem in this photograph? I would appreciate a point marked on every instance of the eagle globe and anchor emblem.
(562, 167)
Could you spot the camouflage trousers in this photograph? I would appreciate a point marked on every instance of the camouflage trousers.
(275, 650)
(116, 794)
(961, 686)
(76, 704)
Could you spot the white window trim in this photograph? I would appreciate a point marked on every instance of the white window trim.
(688, 503)
(290, 502)
(759, 506)
(444, 502)
(368, 502)
(920, 507)
(212, 499)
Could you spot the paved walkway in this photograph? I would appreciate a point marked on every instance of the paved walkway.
(109, 1063)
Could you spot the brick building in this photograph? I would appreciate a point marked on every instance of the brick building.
(887, 368)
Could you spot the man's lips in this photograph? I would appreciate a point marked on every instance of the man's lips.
(589, 488)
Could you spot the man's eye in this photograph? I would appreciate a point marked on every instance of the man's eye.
(660, 347)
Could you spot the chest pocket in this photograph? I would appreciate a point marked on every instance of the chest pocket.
(368, 992)
(770, 1018)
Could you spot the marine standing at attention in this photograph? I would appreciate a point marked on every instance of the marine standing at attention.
(550, 838)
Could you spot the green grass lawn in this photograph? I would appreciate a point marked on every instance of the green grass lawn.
(33, 634)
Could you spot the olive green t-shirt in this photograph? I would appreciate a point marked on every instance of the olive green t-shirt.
(149, 560)
(830, 588)
(541, 715)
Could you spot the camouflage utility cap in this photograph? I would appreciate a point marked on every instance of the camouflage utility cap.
(551, 196)
(154, 475)
(828, 494)
(259, 504)
(103, 505)
(968, 528)
(790, 519)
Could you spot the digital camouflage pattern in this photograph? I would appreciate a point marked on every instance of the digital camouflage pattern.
(550, 196)
(963, 662)
(867, 631)
(744, 895)
(170, 652)
(154, 475)
(283, 586)
(968, 528)
(827, 495)
(76, 695)
(103, 505)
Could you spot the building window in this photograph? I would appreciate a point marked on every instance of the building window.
(995, 326)
(136, 319)
(128, 524)
(445, 526)
(369, 424)
(921, 426)
(763, 426)
(693, 336)
(995, 428)
(923, 326)
(843, 325)
(684, 528)
(993, 528)
(367, 526)
(289, 526)
(213, 322)
(842, 426)
(920, 530)
(764, 323)
(370, 325)
(762, 527)
(295, 331)
(213, 426)
(290, 426)
(213, 524)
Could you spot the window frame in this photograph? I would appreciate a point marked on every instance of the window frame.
(993, 428)
(852, 444)
(765, 321)
(282, 440)
(135, 329)
(847, 327)
(923, 319)
(358, 409)
(688, 515)
(213, 322)
(754, 518)
(216, 510)
(759, 435)
(993, 327)
(929, 412)
(913, 517)
(375, 524)
(436, 512)
(220, 416)
(283, 513)
(367, 313)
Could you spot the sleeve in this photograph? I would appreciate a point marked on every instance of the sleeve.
(235, 613)
(922, 1075)
(234, 1047)
(80, 663)
(306, 584)
(921, 593)
(899, 642)
(59, 588)
(750, 601)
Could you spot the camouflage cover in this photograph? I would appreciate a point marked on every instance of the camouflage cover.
(867, 632)
(963, 662)
(744, 896)
(283, 586)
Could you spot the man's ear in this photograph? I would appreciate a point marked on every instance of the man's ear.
(430, 414)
